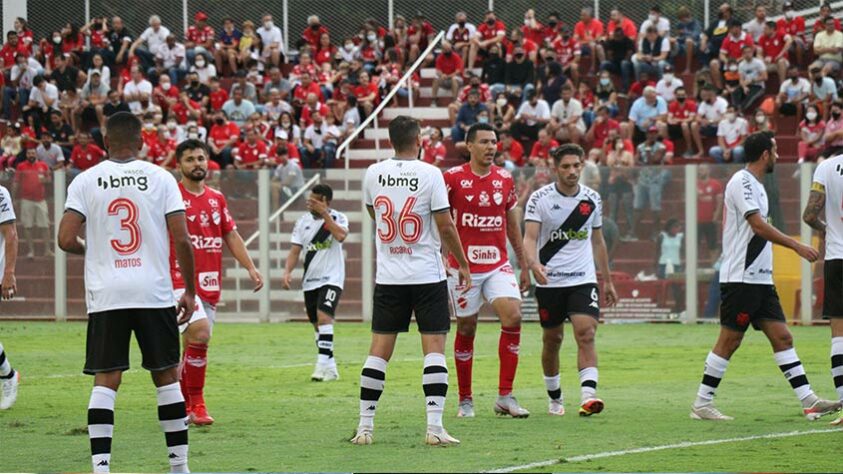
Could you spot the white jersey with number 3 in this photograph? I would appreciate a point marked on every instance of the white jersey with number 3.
(828, 178)
(125, 206)
(404, 195)
(7, 216)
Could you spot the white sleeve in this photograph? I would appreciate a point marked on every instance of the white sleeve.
(439, 192)
(819, 176)
(532, 212)
(450, 34)
(297, 238)
(743, 195)
(721, 129)
(7, 210)
(342, 220)
(173, 201)
(597, 215)
(75, 197)
(367, 188)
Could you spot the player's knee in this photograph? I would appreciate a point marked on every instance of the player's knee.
(552, 339)
(165, 377)
(200, 336)
(784, 341)
(585, 337)
(466, 327)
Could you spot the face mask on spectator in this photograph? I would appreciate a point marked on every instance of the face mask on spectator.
(794, 79)
(653, 18)
(371, 37)
(483, 119)
(267, 25)
(490, 21)
(680, 98)
(552, 24)
(461, 24)
(788, 14)
(760, 118)
(731, 117)
(733, 67)
(349, 46)
(193, 136)
(501, 102)
(811, 115)
(57, 39)
(200, 62)
(668, 77)
(219, 121)
(171, 125)
(605, 81)
(166, 86)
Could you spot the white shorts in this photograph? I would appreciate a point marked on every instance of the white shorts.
(204, 310)
(33, 214)
(489, 286)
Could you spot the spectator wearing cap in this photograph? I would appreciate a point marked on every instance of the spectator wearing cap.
(520, 74)
(271, 40)
(823, 89)
(460, 33)
(828, 46)
(227, 47)
(655, 19)
(753, 76)
(755, 27)
(92, 99)
(568, 51)
(668, 84)
(154, 36)
(21, 79)
(199, 39)
(825, 14)
(712, 40)
(237, 108)
(618, 20)
(774, 45)
(566, 117)
(169, 59)
(312, 33)
(731, 132)
(287, 178)
(649, 156)
(490, 33)
(794, 25)
(652, 55)
(533, 115)
(467, 116)
(681, 115)
(619, 50)
(589, 32)
(687, 38)
(647, 111)
(449, 71)
(793, 92)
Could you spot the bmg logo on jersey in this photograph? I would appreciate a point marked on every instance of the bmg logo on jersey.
(114, 182)
(390, 181)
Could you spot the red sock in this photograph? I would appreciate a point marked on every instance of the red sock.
(195, 362)
(508, 347)
(464, 358)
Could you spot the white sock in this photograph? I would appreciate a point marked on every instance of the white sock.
(554, 387)
(101, 427)
(715, 367)
(173, 420)
(837, 364)
(372, 381)
(325, 344)
(435, 385)
(5, 367)
(793, 371)
(588, 382)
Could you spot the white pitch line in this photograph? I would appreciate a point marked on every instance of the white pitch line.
(686, 444)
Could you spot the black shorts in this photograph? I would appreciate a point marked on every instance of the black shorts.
(674, 131)
(110, 332)
(558, 304)
(833, 289)
(744, 303)
(325, 299)
(394, 306)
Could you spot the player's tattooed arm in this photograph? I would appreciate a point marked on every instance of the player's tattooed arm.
(814, 209)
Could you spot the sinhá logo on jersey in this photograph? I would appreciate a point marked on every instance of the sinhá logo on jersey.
(115, 182)
(390, 181)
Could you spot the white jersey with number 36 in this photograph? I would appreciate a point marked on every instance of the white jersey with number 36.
(125, 206)
(404, 195)
(828, 178)
(7, 216)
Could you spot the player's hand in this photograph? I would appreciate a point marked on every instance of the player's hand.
(465, 278)
(539, 273)
(808, 253)
(186, 307)
(317, 206)
(526, 282)
(610, 294)
(257, 279)
(286, 281)
(9, 286)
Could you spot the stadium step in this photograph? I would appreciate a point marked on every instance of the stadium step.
(421, 113)
(383, 134)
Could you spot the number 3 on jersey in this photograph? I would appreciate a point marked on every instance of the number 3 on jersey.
(128, 223)
(409, 224)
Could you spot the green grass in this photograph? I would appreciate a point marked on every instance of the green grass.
(271, 418)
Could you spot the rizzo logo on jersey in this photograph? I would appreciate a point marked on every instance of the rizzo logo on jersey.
(206, 243)
(114, 182)
(390, 181)
(209, 281)
(483, 254)
(484, 222)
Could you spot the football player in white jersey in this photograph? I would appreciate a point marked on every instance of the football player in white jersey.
(563, 239)
(130, 208)
(748, 295)
(321, 232)
(824, 213)
(9, 377)
(408, 201)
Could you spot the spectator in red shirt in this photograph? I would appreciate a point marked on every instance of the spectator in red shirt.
(419, 34)
(161, 151)
(681, 114)
(589, 32)
(601, 128)
(619, 20)
(283, 143)
(30, 178)
(312, 34)
(325, 51)
(186, 109)
(199, 39)
(251, 153)
(825, 12)
(540, 153)
(533, 29)
(794, 25)
(449, 69)
(12, 48)
(165, 94)
(811, 134)
(511, 150)
(517, 39)
(433, 150)
(709, 206)
(734, 42)
(774, 45)
(221, 139)
(85, 154)
(25, 34)
(491, 32)
(217, 97)
(366, 93)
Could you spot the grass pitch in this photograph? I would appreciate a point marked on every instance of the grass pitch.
(270, 417)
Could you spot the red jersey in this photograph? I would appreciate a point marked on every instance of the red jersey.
(292, 153)
(589, 32)
(181, 111)
(86, 157)
(772, 46)
(312, 36)
(301, 93)
(160, 151)
(307, 114)
(28, 178)
(426, 31)
(485, 93)
(27, 38)
(566, 51)
(248, 154)
(637, 88)
(527, 45)
(449, 64)
(301, 70)
(97, 39)
(461, 35)
(159, 96)
(627, 26)
(682, 111)
(8, 53)
(208, 221)
(819, 25)
(325, 55)
(221, 134)
(733, 47)
(487, 32)
(794, 26)
(516, 152)
(217, 98)
(536, 35)
(543, 151)
(707, 192)
(433, 153)
(479, 206)
(199, 36)
(602, 129)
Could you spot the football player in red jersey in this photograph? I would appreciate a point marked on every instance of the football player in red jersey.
(209, 225)
(483, 202)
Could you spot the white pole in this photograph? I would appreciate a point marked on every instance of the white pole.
(691, 285)
(185, 22)
(367, 272)
(285, 12)
(60, 263)
(263, 241)
(391, 14)
(597, 9)
(706, 11)
(87, 20)
(805, 234)
(491, 5)
(11, 10)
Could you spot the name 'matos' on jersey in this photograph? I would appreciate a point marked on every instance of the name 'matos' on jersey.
(747, 258)
(208, 221)
(7, 216)
(125, 206)
(404, 195)
(324, 262)
(564, 243)
(479, 205)
(828, 178)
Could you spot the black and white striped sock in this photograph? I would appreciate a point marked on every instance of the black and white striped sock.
(101, 427)
(372, 380)
(793, 371)
(588, 383)
(6, 371)
(435, 386)
(715, 368)
(554, 387)
(325, 345)
(173, 419)
(837, 364)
